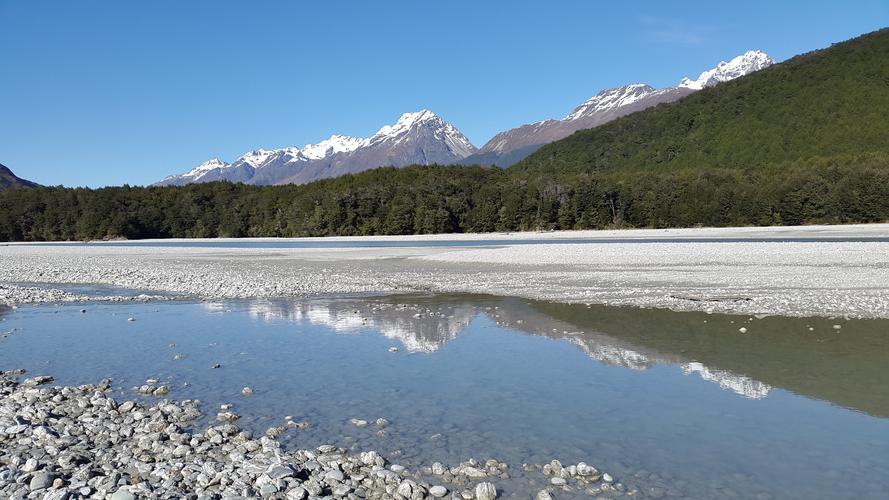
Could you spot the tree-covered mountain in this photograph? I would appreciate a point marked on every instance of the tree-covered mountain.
(510, 146)
(824, 103)
(9, 179)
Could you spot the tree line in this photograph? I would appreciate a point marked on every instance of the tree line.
(454, 199)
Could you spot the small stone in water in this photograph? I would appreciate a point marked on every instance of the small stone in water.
(393, 349)
(382, 422)
(742, 329)
(438, 491)
(485, 491)
(217, 365)
(607, 478)
(247, 391)
(837, 327)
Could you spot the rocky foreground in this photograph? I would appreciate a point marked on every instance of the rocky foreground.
(78, 442)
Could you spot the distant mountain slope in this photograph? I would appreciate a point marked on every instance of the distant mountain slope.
(420, 138)
(510, 146)
(9, 180)
(824, 103)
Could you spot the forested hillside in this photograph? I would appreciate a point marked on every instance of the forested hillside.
(824, 103)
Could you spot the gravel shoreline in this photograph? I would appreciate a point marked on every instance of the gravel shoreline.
(800, 278)
(78, 442)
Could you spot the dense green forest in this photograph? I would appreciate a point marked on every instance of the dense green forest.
(805, 141)
(442, 199)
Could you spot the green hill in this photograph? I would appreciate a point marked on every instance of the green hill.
(821, 104)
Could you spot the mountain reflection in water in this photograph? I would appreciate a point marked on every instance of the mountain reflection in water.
(423, 324)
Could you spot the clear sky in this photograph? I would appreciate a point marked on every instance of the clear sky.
(110, 92)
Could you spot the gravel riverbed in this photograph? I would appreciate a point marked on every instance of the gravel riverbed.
(78, 442)
(748, 271)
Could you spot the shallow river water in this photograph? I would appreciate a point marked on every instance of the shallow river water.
(678, 404)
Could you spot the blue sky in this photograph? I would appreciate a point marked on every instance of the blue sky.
(96, 93)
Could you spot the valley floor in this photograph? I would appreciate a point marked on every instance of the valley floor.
(798, 271)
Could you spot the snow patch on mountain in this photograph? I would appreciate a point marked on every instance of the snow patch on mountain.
(200, 170)
(336, 144)
(611, 99)
(746, 63)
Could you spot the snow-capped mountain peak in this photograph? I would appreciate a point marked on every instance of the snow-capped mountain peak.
(430, 124)
(200, 170)
(420, 137)
(748, 62)
(210, 165)
(257, 157)
(612, 98)
(406, 122)
(335, 144)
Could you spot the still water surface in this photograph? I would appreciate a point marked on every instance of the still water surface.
(672, 403)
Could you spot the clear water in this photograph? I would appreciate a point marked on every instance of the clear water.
(672, 403)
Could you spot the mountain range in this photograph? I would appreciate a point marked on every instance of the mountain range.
(9, 180)
(420, 138)
(424, 138)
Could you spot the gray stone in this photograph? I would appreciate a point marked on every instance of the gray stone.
(41, 480)
(280, 472)
(123, 494)
(297, 493)
(438, 491)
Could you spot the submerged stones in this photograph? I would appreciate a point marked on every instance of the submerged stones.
(93, 446)
(40, 380)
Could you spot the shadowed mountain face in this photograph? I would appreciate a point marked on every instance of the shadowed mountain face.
(9, 180)
(807, 356)
(511, 146)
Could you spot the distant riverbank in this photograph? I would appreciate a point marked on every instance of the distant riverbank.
(812, 270)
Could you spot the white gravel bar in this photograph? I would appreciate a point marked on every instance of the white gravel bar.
(822, 270)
